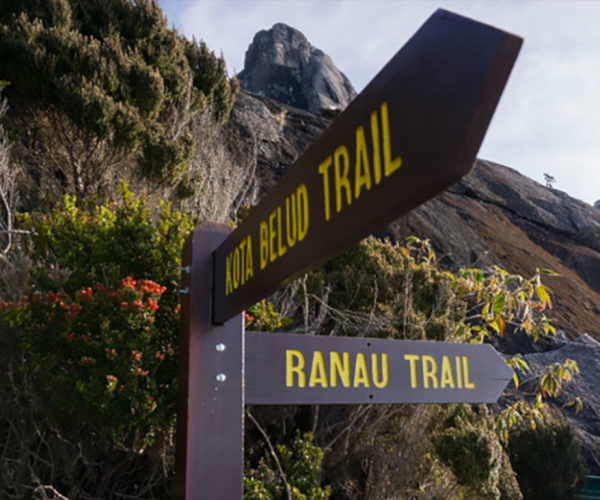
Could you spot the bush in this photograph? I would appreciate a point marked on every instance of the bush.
(91, 352)
(301, 464)
(547, 459)
(98, 357)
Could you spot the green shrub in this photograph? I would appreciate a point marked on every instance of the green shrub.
(91, 352)
(474, 453)
(97, 356)
(262, 317)
(301, 464)
(547, 459)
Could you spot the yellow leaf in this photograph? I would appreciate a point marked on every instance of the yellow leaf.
(543, 295)
(501, 325)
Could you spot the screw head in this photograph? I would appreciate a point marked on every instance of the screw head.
(221, 377)
(220, 347)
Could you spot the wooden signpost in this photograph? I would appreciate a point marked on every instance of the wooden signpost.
(312, 369)
(414, 131)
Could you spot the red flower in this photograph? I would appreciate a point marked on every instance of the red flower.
(138, 305)
(128, 282)
(73, 312)
(152, 304)
(124, 306)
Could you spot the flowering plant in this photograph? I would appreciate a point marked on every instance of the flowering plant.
(98, 355)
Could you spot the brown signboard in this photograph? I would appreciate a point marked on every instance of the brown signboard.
(311, 369)
(414, 131)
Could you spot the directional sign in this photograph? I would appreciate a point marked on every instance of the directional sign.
(311, 369)
(414, 131)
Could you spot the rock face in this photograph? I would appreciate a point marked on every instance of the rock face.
(282, 64)
(494, 216)
(597, 204)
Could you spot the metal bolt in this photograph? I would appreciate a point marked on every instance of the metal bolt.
(221, 377)
(186, 269)
(184, 290)
(220, 347)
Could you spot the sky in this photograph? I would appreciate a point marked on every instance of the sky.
(548, 120)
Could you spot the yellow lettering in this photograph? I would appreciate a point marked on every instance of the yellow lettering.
(236, 268)
(291, 227)
(375, 371)
(341, 176)
(376, 146)
(337, 367)
(459, 381)
(303, 214)
(318, 375)
(361, 376)
(243, 244)
(446, 377)
(324, 171)
(228, 285)
(429, 372)
(291, 368)
(281, 248)
(468, 383)
(249, 261)
(272, 235)
(264, 244)
(362, 170)
(412, 359)
(389, 165)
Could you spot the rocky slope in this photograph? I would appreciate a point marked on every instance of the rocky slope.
(494, 216)
(281, 64)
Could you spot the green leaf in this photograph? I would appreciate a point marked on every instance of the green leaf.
(548, 272)
(499, 301)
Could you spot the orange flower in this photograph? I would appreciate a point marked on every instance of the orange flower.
(136, 355)
(152, 304)
(73, 312)
(124, 306)
(128, 282)
(140, 372)
(86, 293)
(138, 305)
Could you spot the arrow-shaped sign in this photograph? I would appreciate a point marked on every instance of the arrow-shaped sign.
(413, 131)
(313, 369)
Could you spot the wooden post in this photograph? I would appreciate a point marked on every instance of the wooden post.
(209, 455)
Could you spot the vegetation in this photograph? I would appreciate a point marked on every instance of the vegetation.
(89, 303)
(95, 83)
(547, 459)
